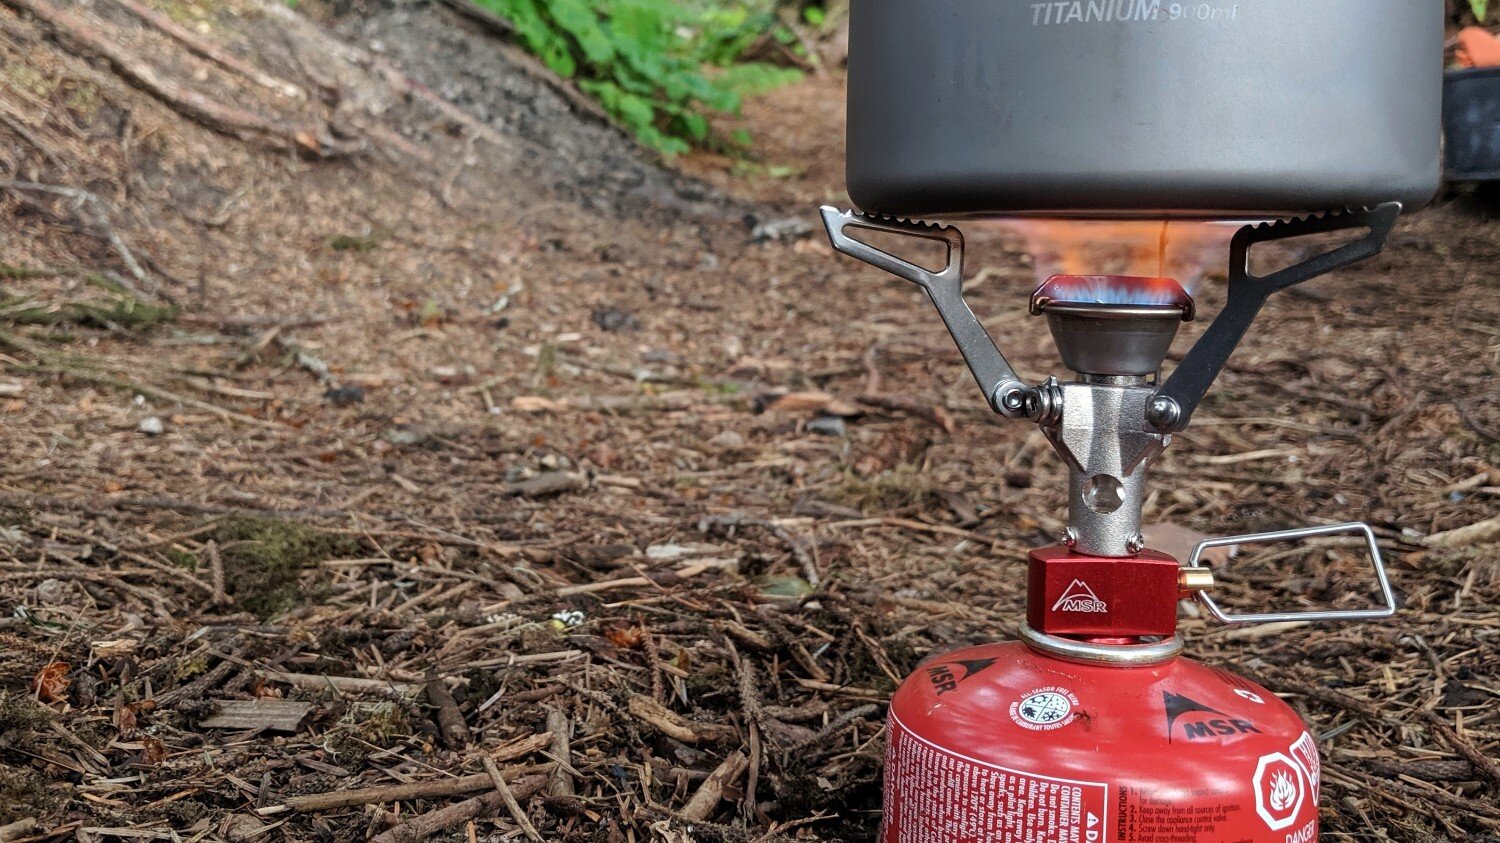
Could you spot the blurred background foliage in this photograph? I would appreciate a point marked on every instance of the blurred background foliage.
(663, 68)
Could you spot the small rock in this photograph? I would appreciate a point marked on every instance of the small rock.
(404, 436)
(828, 426)
(783, 228)
(50, 592)
(151, 426)
(674, 552)
(568, 619)
(536, 404)
(243, 827)
(794, 588)
(728, 440)
(613, 319)
(345, 396)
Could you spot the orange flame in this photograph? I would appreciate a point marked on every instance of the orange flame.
(1184, 251)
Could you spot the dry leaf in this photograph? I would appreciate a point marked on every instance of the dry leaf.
(153, 751)
(125, 719)
(813, 401)
(1178, 542)
(51, 682)
(626, 637)
(536, 404)
(114, 647)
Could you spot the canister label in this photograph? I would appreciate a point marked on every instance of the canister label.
(935, 795)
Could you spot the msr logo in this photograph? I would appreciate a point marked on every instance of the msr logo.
(1198, 720)
(1078, 597)
(944, 679)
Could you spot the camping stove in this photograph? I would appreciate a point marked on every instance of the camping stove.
(1093, 727)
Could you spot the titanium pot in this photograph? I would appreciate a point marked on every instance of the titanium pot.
(1143, 108)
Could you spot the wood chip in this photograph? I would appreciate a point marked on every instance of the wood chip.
(271, 715)
(709, 794)
(673, 725)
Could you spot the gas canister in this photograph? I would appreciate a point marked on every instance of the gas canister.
(1001, 742)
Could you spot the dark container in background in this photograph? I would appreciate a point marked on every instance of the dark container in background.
(1471, 122)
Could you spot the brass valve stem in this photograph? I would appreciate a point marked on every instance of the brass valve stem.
(1191, 581)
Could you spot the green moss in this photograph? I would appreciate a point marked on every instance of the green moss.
(901, 487)
(8, 272)
(352, 243)
(381, 724)
(131, 315)
(188, 668)
(82, 98)
(182, 559)
(24, 77)
(21, 715)
(265, 557)
(116, 309)
(24, 792)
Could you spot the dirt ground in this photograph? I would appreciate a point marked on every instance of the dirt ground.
(376, 415)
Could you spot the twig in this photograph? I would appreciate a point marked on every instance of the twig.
(673, 725)
(560, 782)
(1467, 536)
(215, 572)
(845, 690)
(1465, 414)
(1482, 763)
(510, 800)
(427, 825)
(17, 830)
(196, 689)
(20, 128)
(100, 224)
(210, 51)
(900, 403)
(917, 526)
(523, 788)
(450, 719)
(342, 684)
(709, 794)
(755, 718)
(836, 725)
(55, 364)
(195, 105)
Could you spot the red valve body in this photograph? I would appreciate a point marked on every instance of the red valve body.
(1003, 744)
(1072, 594)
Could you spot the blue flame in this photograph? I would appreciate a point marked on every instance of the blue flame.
(1113, 289)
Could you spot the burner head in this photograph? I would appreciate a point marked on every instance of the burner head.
(1113, 325)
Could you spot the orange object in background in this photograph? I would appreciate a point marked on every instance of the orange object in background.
(1478, 47)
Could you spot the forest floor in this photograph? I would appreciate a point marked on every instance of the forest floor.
(375, 416)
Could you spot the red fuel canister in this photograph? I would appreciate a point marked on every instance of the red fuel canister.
(1002, 742)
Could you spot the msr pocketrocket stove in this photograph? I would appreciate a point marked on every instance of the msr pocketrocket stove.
(1323, 115)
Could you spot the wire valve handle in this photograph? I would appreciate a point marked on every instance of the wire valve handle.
(1387, 596)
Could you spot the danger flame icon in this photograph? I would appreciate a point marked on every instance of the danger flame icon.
(1280, 790)
(1283, 791)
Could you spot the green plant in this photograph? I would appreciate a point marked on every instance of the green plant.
(1481, 8)
(657, 66)
(264, 559)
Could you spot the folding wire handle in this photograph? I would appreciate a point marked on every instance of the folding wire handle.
(1386, 594)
